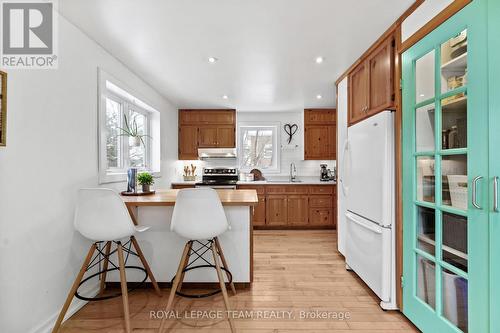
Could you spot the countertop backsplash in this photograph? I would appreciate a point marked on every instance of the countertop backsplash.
(288, 153)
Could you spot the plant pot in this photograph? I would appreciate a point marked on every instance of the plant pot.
(146, 188)
(135, 141)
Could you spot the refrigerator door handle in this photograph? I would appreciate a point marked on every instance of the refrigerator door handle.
(346, 169)
(366, 225)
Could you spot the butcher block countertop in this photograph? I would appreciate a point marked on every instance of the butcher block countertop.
(167, 198)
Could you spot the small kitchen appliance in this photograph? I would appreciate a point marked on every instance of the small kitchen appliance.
(219, 178)
(325, 174)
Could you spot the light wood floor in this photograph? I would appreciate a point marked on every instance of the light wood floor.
(294, 271)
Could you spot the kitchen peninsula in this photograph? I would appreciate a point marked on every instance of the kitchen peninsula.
(163, 248)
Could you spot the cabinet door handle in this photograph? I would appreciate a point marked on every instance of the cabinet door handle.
(474, 192)
(495, 194)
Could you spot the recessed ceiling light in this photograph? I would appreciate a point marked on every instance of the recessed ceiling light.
(422, 95)
(319, 60)
(212, 60)
(225, 96)
(319, 96)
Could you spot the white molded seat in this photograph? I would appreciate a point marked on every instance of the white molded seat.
(198, 214)
(101, 215)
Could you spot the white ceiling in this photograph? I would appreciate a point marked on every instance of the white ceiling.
(266, 48)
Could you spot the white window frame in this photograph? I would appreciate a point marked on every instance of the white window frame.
(128, 103)
(275, 126)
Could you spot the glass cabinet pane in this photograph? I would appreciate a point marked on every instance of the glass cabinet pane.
(424, 128)
(426, 220)
(455, 240)
(454, 295)
(426, 281)
(425, 179)
(454, 62)
(454, 122)
(424, 77)
(454, 181)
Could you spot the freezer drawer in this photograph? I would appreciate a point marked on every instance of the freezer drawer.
(368, 253)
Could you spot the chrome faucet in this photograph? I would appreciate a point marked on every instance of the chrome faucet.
(293, 172)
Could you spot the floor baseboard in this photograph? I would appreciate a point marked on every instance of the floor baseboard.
(77, 304)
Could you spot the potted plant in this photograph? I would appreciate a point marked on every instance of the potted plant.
(146, 180)
(131, 130)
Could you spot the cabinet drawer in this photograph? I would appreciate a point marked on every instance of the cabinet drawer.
(179, 186)
(321, 216)
(321, 201)
(285, 189)
(260, 189)
(322, 189)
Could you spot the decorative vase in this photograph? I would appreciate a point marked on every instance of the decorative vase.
(146, 188)
(135, 141)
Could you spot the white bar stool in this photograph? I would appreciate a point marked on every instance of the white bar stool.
(102, 217)
(199, 216)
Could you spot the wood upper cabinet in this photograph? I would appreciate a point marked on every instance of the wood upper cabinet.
(381, 67)
(207, 137)
(226, 137)
(205, 129)
(358, 93)
(276, 210)
(297, 209)
(320, 134)
(188, 142)
(370, 83)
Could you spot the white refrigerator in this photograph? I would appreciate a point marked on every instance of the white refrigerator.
(342, 99)
(369, 183)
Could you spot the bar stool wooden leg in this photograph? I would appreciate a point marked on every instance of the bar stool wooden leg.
(123, 282)
(224, 263)
(186, 262)
(105, 267)
(176, 282)
(73, 289)
(145, 264)
(223, 286)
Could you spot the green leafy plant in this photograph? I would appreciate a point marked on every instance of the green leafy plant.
(132, 130)
(145, 178)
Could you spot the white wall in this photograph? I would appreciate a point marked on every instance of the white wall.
(423, 14)
(51, 152)
(289, 154)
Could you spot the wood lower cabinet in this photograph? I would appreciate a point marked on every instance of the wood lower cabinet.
(294, 206)
(297, 208)
(205, 129)
(321, 216)
(276, 210)
(259, 213)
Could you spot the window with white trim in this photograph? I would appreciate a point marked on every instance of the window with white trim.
(259, 147)
(126, 132)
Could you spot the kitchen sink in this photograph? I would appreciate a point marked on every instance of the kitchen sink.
(283, 180)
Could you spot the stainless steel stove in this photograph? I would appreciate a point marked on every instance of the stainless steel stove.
(222, 178)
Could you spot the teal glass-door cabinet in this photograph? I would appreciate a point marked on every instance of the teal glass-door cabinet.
(494, 159)
(446, 191)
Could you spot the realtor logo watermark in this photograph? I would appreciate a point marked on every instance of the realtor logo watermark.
(29, 33)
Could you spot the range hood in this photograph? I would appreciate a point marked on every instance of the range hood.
(207, 153)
